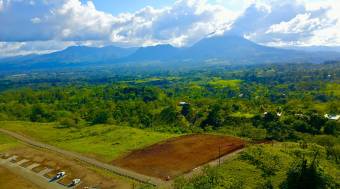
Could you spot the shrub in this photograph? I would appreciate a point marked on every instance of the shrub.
(330, 127)
(67, 123)
(307, 175)
(266, 161)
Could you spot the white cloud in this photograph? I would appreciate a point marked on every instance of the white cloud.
(36, 20)
(69, 22)
(181, 24)
(284, 23)
(34, 47)
(1, 5)
(50, 20)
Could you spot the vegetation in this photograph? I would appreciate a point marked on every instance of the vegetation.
(281, 165)
(113, 113)
(105, 142)
(7, 143)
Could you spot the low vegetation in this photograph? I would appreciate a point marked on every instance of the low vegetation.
(105, 142)
(281, 165)
(7, 143)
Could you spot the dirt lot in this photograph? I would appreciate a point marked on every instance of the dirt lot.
(179, 155)
(72, 168)
(10, 180)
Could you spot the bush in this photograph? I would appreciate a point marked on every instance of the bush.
(67, 123)
(330, 127)
(3, 117)
(307, 175)
(211, 178)
(100, 118)
(253, 133)
(266, 161)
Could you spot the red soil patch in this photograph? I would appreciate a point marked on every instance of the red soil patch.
(179, 155)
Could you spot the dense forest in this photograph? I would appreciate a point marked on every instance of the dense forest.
(276, 101)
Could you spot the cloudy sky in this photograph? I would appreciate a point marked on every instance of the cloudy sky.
(42, 26)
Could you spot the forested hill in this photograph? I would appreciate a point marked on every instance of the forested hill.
(225, 50)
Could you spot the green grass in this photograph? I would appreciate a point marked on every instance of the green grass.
(332, 89)
(220, 83)
(242, 115)
(7, 143)
(104, 142)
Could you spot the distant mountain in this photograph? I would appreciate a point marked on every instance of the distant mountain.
(155, 53)
(81, 54)
(316, 48)
(71, 56)
(231, 48)
(238, 50)
(218, 49)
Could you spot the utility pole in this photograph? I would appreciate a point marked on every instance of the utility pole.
(219, 155)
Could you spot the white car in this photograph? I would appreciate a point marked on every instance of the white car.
(59, 175)
(75, 182)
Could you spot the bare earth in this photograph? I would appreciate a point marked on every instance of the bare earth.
(72, 168)
(179, 155)
(8, 180)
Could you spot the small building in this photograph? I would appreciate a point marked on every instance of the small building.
(182, 103)
(332, 117)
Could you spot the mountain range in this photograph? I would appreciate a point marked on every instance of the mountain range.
(222, 49)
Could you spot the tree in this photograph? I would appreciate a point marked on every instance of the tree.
(100, 117)
(316, 121)
(169, 114)
(39, 113)
(215, 117)
(330, 127)
(302, 126)
(303, 175)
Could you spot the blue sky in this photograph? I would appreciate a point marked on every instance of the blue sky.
(118, 6)
(42, 26)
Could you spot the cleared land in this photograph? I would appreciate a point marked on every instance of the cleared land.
(10, 180)
(72, 168)
(179, 155)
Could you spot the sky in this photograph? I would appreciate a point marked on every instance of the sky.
(43, 26)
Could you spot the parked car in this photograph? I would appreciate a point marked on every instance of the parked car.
(75, 182)
(59, 175)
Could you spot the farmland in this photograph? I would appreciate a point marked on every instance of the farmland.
(179, 155)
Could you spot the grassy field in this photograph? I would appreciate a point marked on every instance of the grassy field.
(104, 142)
(7, 143)
(333, 89)
(220, 83)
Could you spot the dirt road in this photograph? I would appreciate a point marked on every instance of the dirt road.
(93, 162)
